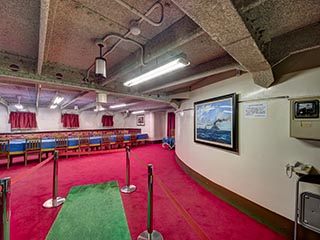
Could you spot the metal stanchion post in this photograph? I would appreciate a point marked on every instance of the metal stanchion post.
(150, 234)
(55, 201)
(128, 188)
(5, 209)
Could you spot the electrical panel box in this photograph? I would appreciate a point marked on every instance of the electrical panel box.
(305, 118)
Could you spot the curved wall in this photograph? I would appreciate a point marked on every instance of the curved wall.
(257, 171)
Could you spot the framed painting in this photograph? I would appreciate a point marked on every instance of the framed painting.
(140, 120)
(215, 122)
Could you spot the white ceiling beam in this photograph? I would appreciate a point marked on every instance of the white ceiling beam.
(19, 77)
(196, 76)
(88, 106)
(221, 20)
(247, 5)
(5, 103)
(44, 14)
(38, 90)
(74, 99)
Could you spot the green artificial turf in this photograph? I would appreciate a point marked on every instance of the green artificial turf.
(92, 211)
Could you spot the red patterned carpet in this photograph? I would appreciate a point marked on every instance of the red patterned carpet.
(182, 209)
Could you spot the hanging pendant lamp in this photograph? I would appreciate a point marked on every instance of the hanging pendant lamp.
(101, 64)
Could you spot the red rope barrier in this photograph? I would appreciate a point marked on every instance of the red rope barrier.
(62, 154)
(31, 170)
(198, 230)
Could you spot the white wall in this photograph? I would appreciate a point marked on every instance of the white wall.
(257, 172)
(121, 120)
(159, 125)
(4, 117)
(50, 120)
(155, 123)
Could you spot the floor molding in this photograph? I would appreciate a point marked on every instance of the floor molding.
(273, 220)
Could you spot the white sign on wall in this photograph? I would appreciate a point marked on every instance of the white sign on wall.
(255, 110)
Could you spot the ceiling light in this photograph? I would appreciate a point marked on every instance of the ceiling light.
(57, 100)
(98, 108)
(53, 106)
(101, 64)
(137, 112)
(135, 28)
(169, 67)
(19, 106)
(118, 105)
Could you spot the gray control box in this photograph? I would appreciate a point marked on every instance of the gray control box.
(305, 118)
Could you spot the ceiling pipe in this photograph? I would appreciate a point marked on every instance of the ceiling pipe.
(197, 76)
(125, 40)
(176, 36)
(155, 6)
(148, 20)
(44, 14)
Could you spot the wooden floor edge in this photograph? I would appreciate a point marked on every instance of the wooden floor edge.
(272, 220)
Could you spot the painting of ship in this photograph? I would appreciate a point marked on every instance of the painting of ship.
(214, 122)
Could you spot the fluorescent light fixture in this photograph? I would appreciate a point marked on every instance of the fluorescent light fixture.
(57, 100)
(99, 108)
(18, 106)
(137, 112)
(53, 106)
(169, 67)
(118, 105)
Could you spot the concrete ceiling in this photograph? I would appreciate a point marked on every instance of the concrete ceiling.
(43, 39)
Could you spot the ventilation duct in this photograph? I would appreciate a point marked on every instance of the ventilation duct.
(101, 97)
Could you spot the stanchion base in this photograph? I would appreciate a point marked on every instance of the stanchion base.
(154, 235)
(128, 189)
(50, 203)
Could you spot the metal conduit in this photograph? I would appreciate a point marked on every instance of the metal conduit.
(133, 10)
(121, 39)
(128, 40)
(155, 6)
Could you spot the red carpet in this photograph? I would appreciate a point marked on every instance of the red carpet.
(186, 211)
